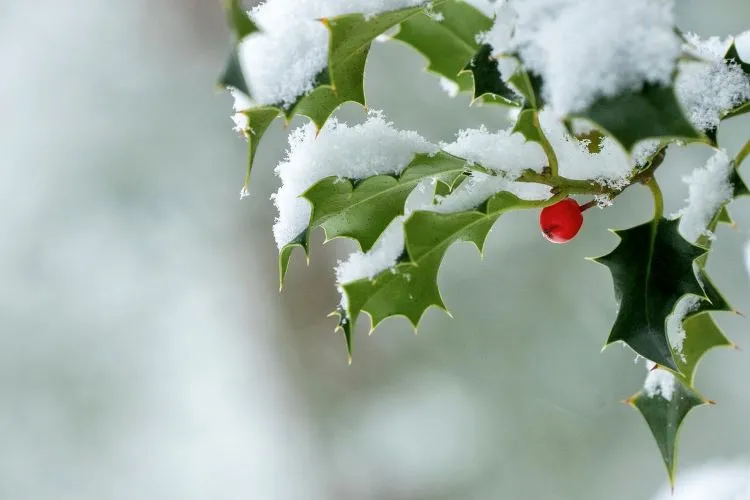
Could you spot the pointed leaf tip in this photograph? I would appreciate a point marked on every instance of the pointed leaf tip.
(664, 414)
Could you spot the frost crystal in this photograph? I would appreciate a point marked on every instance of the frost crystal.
(588, 49)
(709, 187)
(659, 382)
(675, 330)
(509, 154)
(282, 60)
(610, 167)
(708, 89)
(353, 152)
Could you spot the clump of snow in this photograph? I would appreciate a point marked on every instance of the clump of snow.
(501, 151)
(603, 200)
(353, 152)
(675, 330)
(480, 187)
(708, 89)
(382, 256)
(449, 87)
(712, 48)
(588, 49)
(742, 44)
(709, 187)
(714, 481)
(241, 103)
(281, 61)
(644, 150)
(609, 167)
(659, 382)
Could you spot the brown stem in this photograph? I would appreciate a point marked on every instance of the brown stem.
(588, 205)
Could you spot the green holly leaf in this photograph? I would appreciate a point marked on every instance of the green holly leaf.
(319, 104)
(488, 82)
(351, 36)
(239, 20)
(258, 121)
(665, 416)
(232, 76)
(528, 125)
(285, 254)
(633, 116)
(410, 288)
(652, 268)
(447, 44)
(363, 209)
(529, 85)
(444, 189)
(701, 335)
(733, 55)
(715, 301)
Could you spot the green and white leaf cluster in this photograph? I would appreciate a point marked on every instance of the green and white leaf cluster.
(593, 142)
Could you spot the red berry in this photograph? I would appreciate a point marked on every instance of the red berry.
(562, 221)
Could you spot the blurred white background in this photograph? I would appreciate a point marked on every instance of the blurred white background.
(145, 351)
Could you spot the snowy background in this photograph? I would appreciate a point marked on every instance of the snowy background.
(145, 351)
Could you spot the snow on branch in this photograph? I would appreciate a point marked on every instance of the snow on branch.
(610, 166)
(340, 150)
(500, 151)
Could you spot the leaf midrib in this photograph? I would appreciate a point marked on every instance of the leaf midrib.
(396, 187)
(649, 261)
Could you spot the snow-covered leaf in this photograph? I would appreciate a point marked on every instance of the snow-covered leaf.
(633, 116)
(410, 287)
(363, 209)
(734, 57)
